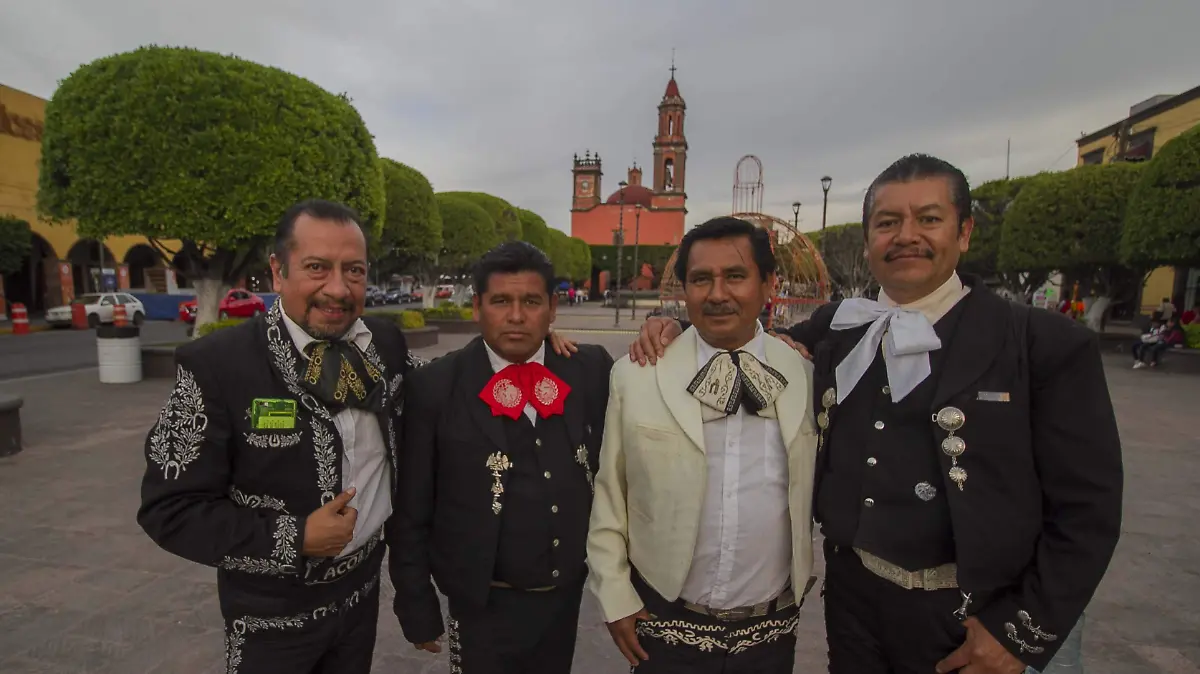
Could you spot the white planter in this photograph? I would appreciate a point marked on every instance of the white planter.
(119, 353)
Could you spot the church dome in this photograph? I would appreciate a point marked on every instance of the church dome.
(634, 194)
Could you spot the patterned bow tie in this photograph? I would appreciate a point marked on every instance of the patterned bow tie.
(907, 338)
(510, 389)
(339, 376)
(732, 379)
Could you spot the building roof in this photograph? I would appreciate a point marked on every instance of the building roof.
(672, 89)
(634, 194)
(1142, 115)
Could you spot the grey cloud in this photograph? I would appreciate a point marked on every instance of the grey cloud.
(497, 96)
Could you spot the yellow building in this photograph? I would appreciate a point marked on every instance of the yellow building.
(61, 265)
(1138, 137)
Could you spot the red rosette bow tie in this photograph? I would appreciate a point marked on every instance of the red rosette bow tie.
(510, 389)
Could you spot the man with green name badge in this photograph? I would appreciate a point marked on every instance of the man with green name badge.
(274, 457)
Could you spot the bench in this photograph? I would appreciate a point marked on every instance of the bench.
(10, 424)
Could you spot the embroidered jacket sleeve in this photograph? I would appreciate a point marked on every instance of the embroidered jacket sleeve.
(1077, 452)
(409, 529)
(186, 506)
(608, 532)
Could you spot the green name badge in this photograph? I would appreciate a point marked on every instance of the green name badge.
(274, 413)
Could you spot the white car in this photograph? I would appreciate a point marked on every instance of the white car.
(99, 308)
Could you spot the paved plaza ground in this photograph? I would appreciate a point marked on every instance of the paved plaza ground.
(82, 589)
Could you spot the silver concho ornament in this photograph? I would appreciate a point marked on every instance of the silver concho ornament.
(954, 446)
(829, 398)
(925, 491)
(951, 419)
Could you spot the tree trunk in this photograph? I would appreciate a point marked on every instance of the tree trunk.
(1095, 313)
(209, 292)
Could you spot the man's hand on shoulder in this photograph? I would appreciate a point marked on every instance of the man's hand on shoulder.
(656, 335)
(434, 646)
(800, 348)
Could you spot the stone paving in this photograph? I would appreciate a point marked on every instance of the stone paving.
(82, 589)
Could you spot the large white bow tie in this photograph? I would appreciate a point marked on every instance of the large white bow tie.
(910, 338)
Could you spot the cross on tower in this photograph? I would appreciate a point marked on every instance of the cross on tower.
(672, 63)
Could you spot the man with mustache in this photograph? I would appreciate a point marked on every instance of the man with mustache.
(501, 443)
(274, 457)
(969, 480)
(701, 541)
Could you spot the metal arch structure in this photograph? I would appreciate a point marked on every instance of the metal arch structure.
(802, 282)
(748, 185)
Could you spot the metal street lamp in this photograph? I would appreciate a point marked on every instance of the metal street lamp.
(826, 181)
(620, 249)
(637, 270)
(796, 213)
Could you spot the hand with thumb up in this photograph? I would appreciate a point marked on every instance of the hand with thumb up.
(331, 527)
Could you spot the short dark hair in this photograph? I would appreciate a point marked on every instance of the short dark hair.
(727, 227)
(313, 208)
(512, 257)
(918, 167)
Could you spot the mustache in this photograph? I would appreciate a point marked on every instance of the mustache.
(908, 252)
(710, 309)
(331, 304)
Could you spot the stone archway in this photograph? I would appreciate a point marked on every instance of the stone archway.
(88, 257)
(35, 284)
(141, 258)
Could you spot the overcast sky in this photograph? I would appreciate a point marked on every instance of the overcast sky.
(496, 96)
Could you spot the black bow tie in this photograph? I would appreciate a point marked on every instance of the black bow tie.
(339, 376)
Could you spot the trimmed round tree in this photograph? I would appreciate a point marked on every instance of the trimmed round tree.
(558, 249)
(1162, 225)
(504, 214)
(1072, 221)
(209, 150)
(411, 236)
(467, 233)
(16, 240)
(533, 228)
(989, 204)
(581, 259)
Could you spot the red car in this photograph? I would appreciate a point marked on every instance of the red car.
(238, 303)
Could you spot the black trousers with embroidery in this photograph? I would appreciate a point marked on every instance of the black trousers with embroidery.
(519, 632)
(874, 626)
(336, 638)
(680, 641)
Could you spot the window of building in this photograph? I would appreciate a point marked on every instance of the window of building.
(1094, 157)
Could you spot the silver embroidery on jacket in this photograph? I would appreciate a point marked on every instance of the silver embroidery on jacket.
(285, 539)
(178, 435)
(326, 461)
(273, 440)
(256, 501)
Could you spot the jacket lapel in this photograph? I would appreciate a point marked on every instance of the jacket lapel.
(674, 371)
(972, 350)
(478, 370)
(791, 407)
(574, 406)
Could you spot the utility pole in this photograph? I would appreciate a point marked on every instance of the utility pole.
(620, 250)
(637, 270)
(1007, 158)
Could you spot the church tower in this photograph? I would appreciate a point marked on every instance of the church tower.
(586, 173)
(670, 149)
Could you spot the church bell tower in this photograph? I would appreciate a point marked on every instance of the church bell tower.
(670, 148)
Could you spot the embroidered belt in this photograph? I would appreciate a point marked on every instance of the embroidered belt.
(785, 599)
(320, 570)
(942, 577)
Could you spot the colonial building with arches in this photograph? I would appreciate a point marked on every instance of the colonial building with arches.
(61, 264)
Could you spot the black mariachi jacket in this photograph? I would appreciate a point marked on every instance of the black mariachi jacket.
(223, 490)
(1039, 515)
(446, 482)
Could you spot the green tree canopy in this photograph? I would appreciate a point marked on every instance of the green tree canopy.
(174, 143)
(1163, 222)
(990, 202)
(533, 228)
(504, 215)
(581, 259)
(467, 232)
(1068, 220)
(16, 240)
(558, 249)
(412, 227)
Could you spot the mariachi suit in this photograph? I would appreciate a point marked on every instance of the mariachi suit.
(495, 511)
(1016, 433)
(648, 511)
(223, 490)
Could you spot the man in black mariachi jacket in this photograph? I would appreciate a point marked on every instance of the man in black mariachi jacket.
(969, 479)
(274, 457)
(499, 451)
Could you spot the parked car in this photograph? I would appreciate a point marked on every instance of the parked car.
(238, 303)
(99, 308)
(395, 296)
(375, 295)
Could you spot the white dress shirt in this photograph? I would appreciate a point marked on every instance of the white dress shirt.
(499, 363)
(743, 552)
(364, 457)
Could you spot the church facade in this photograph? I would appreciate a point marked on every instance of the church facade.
(653, 214)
